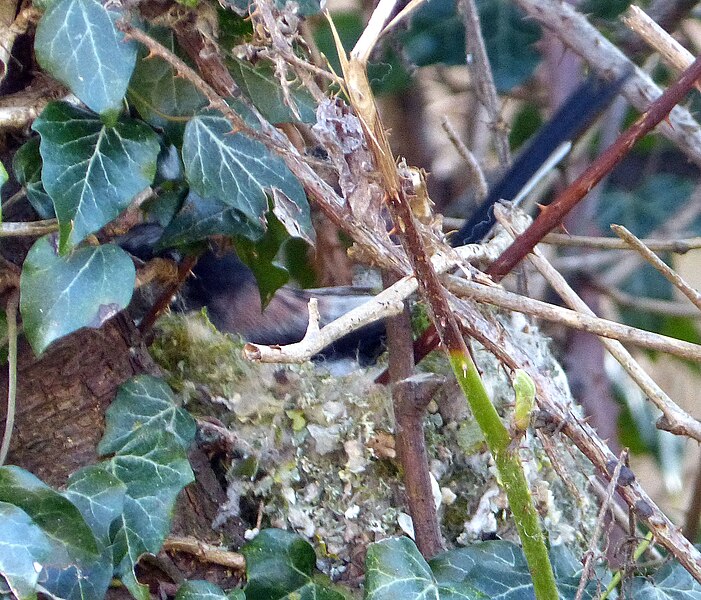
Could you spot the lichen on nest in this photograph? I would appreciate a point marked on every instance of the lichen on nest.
(316, 451)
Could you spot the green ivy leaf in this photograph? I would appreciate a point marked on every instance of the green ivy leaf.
(22, 545)
(237, 170)
(498, 569)
(201, 217)
(394, 568)
(61, 521)
(264, 90)
(672, 582)
(261, 256)
(280, 564)
(145, 402)
(61, 294)
(200, 590)
(27, 167)
(162, 99)
(77, 42)
(98, 495)
(154, 467)
(92, 171)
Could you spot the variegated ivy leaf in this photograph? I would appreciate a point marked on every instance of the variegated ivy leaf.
(92, 171)
(77, 42)
(238, 171)
(60, 294)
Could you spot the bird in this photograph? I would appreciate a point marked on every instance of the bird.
(222, 284)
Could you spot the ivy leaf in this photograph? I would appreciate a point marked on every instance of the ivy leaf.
(61, 294)
(498, 569)
(27, 167)
(92, 171)
(98, 495)
(280, 564)
(394, 568)
(77, 42)
(672, 582)
(22, 545)
(237, 170)
(161, 98)
(145, 402)
(154, 467)
(264, 90)
(60, 520)
(200, 590)
(201, 217)
(261, 257)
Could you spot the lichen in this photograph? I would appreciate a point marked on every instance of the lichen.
(315, 453)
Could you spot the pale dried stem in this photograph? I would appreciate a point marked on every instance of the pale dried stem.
(206, 553)
(475, 176)
(674, 418)
(669, 308)
(478, 63)
(669, 274)
(671, 51)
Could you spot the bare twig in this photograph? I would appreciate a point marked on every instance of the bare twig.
(670, 308)
(552, 215)
(476, 176)
(672, 52)
(670, 274)
(28, 229)
(604, 243)
(497, 296)
(478, 63)
(206, 552)
(386, 304)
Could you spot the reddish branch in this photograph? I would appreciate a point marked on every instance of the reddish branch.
(552, 215)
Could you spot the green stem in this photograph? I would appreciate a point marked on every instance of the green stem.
(511, 474)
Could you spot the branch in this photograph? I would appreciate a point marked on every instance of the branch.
(606, 59)
(206, 552)
(670, 274)
(552, 215)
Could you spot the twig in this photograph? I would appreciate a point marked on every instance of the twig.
(497, 296)
(12, 304)
(670, 308)
(606, 503)
(674, 418)
(481, 72)
(206, 552)
(28, 229)
(552, 215)
(671, 51)
(475, 176)
(410, 397)
(388, 303)
(670, 274)
(606, 59)
(604, 243)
